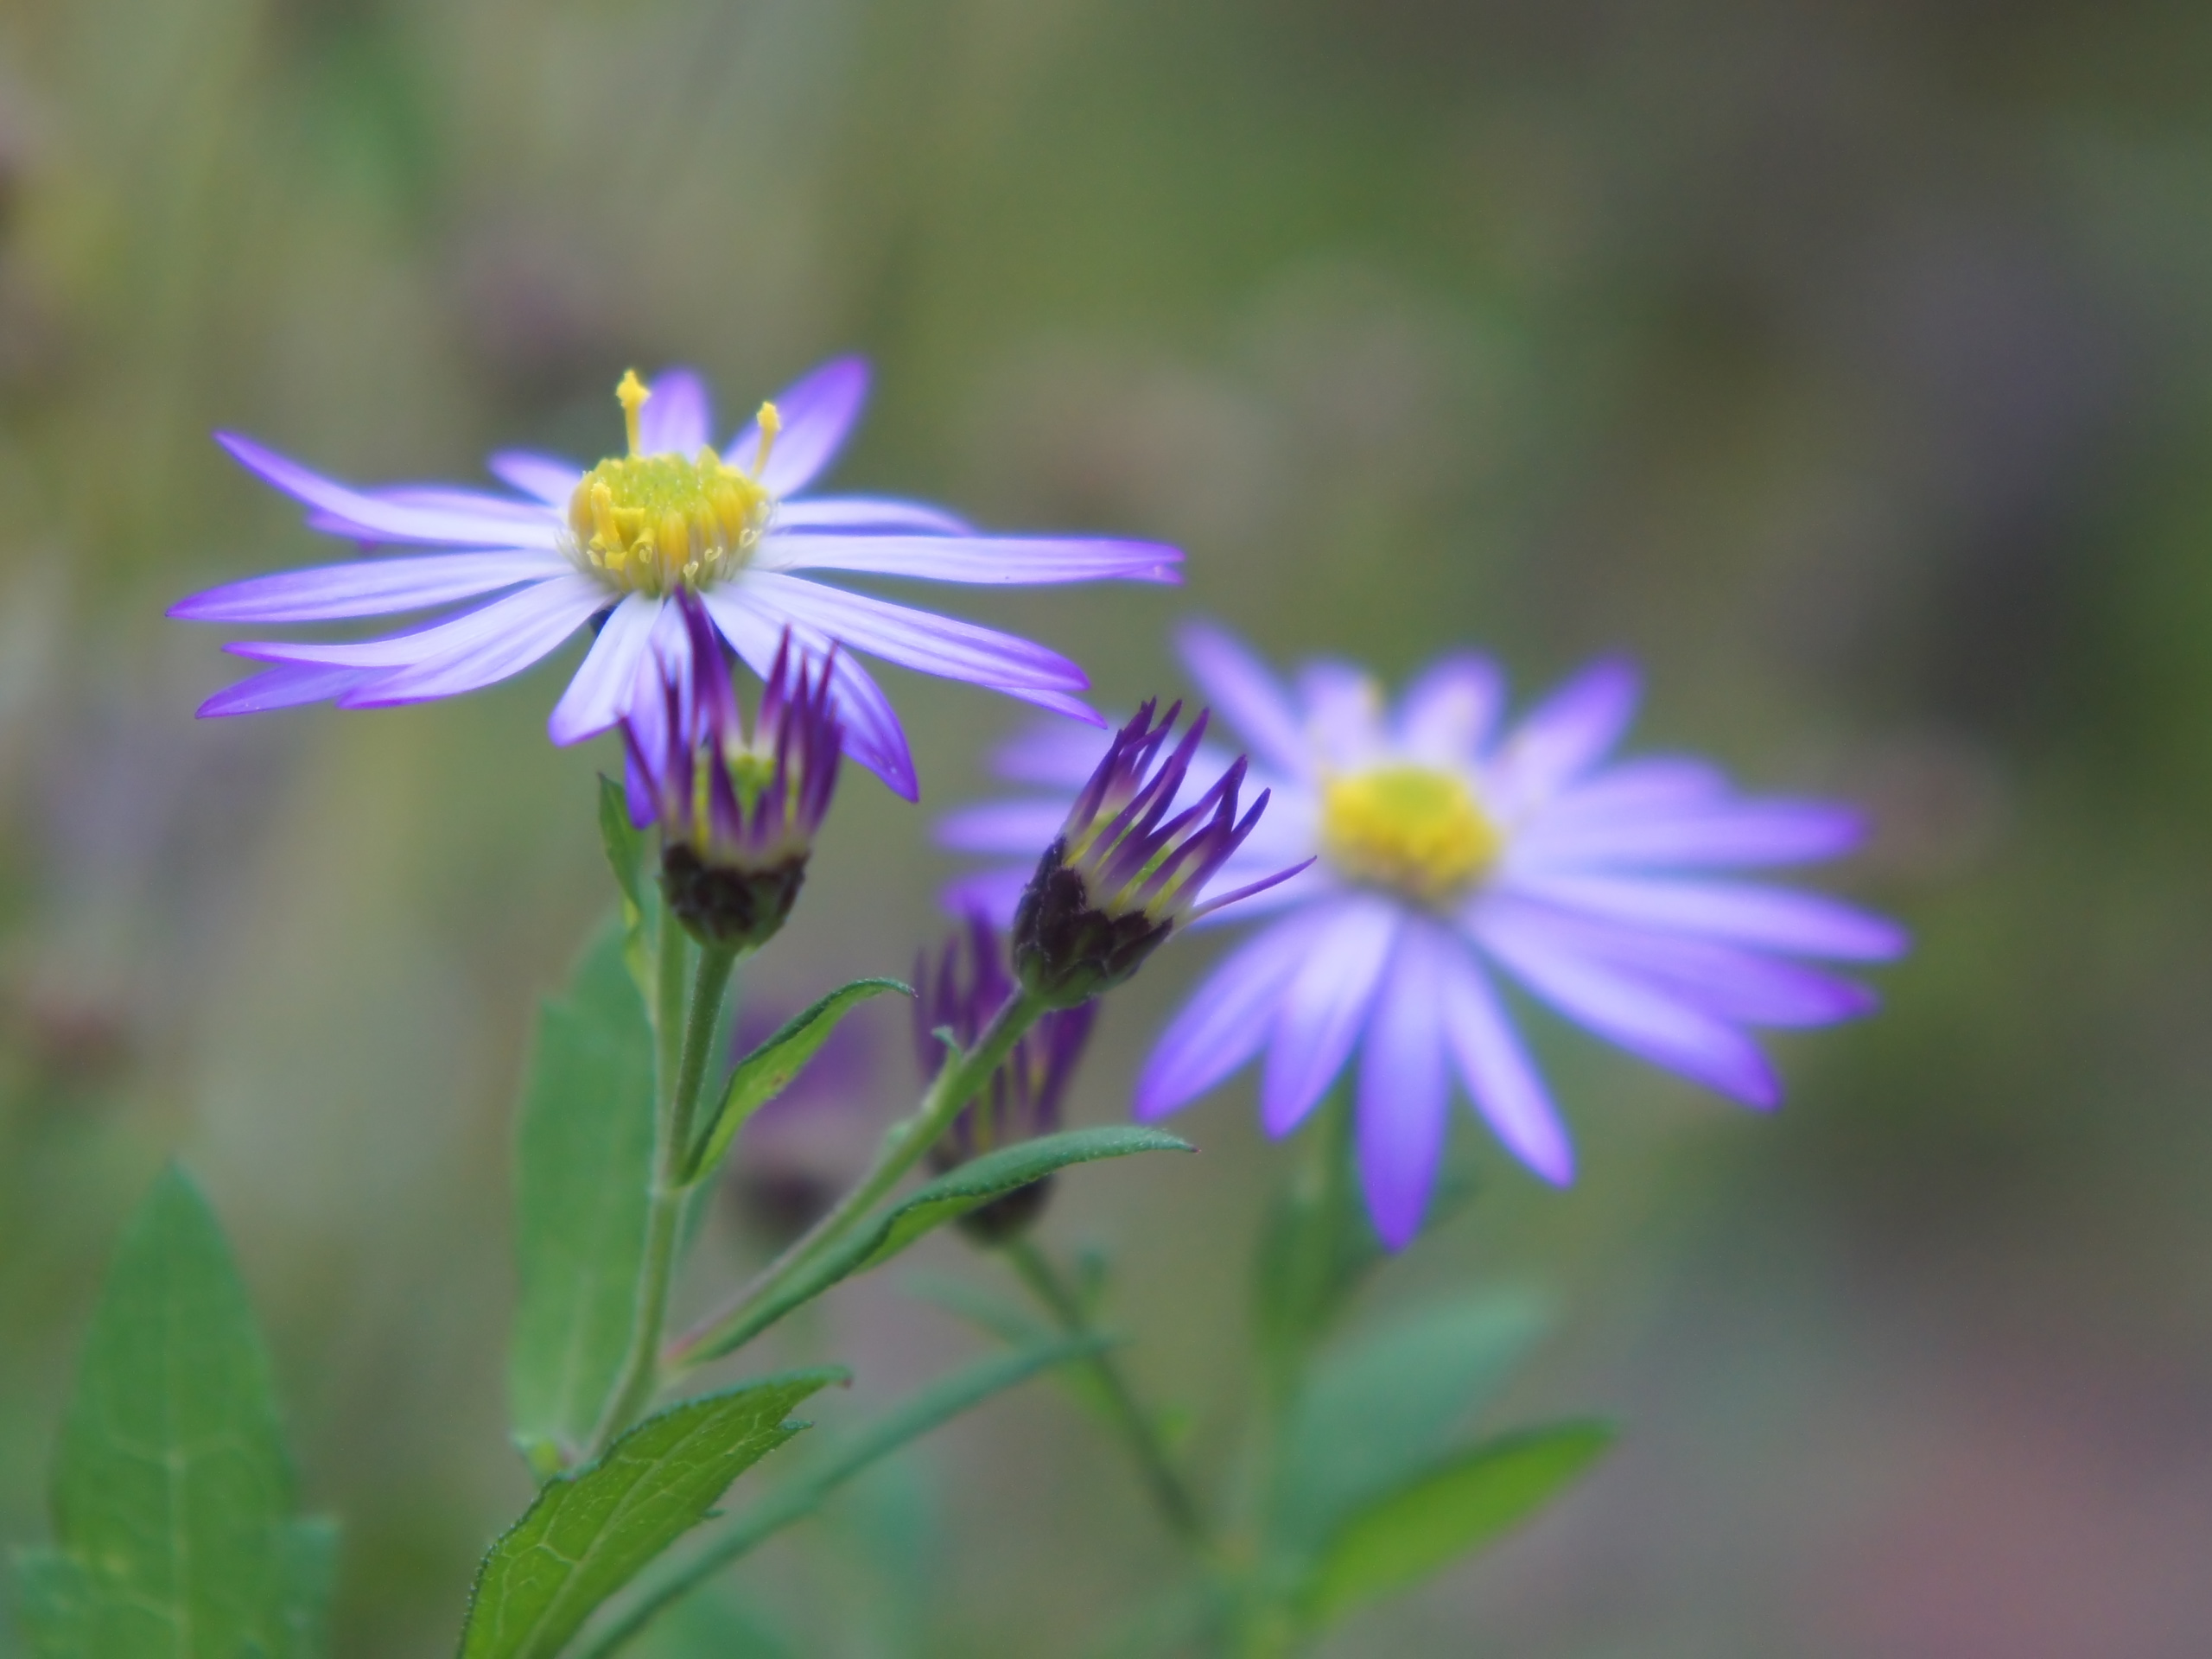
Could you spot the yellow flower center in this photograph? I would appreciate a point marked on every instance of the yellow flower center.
(652, 522)
(1412, 829)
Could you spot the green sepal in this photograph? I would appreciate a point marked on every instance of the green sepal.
(946, 1198)
(588, 1534)
(583, 1165)
(769, 1070)
(1445, 1512)
(834, 1464)
(172, 1494)
(626, 847)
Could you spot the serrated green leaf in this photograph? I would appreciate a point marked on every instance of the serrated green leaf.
(171, 1496)
(625, 843)
(583, 1164)
(1381, 1404)
(768, 1070)
(837, 1463)
(590, 1534)
(946, 1198)
(1433, 1520)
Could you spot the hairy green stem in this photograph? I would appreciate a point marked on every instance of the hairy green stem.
(1135, 1425)
(957, 1083)
(686, 1042)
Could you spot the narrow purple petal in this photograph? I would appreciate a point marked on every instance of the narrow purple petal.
(1501, 1079)
(873, 737)
(387, 520)
(549, 478)
(1225, 1022)
(368, 587)
(1246, 695)
(865, 514)
(1778, 918)
(530, 633)
(1446, 714)
(1403, 1092)
(286, 686)
(1568, 734)
(1004, 560)
(601, 692)
(677, 417)
(1003, 827)
(1636, 1015)
(1321, 1012)
(572, 596)
(913, 639)
(1747, 832)
(817, 413)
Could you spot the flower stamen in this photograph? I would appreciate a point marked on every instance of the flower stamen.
(1415, 829)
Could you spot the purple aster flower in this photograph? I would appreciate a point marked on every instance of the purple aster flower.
(737, 815)
(613, 544)
(1022, 1100)
(1448, 848)
(1127, 867)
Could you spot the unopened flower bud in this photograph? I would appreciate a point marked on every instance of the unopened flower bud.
(1127, 868)
(737, 815)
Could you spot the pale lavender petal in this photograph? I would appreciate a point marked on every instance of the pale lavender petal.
(1567, 734)
(549, 478)
(368, 587)
(1226, 1020)
(1747, 832)
(1309, 885)
(1502, 1081)
(286, 686)
(816, 412)
(677, 417)
(388, 520)
(1651, 784)
(1050, 752)
(873, 737)
(531, 633)
(874, 514)
(1403, 1092)
(913, 639)
(574, 597)
(1246, 696)
(1737, 985)
(1029, 561)
(1322, 1010)
(1638, 1016)
(994, 893)
(1344, 713)
(604, 686)
(1003, 827)
(1778, 918)
(1446, 714)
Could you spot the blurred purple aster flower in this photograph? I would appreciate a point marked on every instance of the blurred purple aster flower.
(1023, 1099)
(1130, 863)
(737, 815)
(613, 544)
(1447, 846)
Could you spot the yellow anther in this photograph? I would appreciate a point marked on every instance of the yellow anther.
(1415, 829)
(633, 393)
(771, 423)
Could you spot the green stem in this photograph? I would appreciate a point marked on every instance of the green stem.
(959, 1081)
(1139, 1433)
(686, 1044)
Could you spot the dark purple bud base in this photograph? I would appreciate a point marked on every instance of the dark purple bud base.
(741, 910)
(1065, 950)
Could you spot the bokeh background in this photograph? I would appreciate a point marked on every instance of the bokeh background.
(1849, 363)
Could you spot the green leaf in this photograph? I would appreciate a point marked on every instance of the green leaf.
(836, 1464)
(1449, 1509)
(768, 1070)
(946, 1198)
(626, 846)
(584, 1151)
(171, 1496)
(1377, 1407)
(590, 1533)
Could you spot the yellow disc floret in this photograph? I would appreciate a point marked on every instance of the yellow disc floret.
(654, 522)
(1414, 830)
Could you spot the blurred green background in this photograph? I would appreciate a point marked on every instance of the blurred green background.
(1849, 362)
